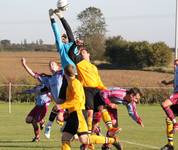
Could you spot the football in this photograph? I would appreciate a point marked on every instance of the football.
(62, 5)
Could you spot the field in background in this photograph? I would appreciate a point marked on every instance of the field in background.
(11, 70)
(16, 135)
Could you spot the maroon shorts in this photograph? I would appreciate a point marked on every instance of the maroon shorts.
(174, 98)
(112, 113)
(38, 112)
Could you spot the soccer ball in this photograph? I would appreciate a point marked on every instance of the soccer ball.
(62, 5)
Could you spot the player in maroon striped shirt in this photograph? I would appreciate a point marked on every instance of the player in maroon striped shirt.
(114, 96)
(170, 106)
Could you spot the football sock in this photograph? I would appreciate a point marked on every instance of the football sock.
(170, 134)
(52, 116)
(36, 129)
(95, 139)
(89, 122)
(106, 118)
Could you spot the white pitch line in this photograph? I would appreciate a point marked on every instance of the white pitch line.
(142, 145)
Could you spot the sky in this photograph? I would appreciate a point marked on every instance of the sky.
(134, 20)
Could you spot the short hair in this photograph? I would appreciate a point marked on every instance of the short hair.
(134, 91)
(69, 70)
(175, 61)
(81, 48)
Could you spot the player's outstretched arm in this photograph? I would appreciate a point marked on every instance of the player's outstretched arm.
(131, 107)
(55, 29)
(65, 24)
(23, 60)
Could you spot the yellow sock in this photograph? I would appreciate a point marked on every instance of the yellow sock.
(89, 121)
(95, 139)
(170, 135)
(106, 118)
(66, 145)
(60, 123)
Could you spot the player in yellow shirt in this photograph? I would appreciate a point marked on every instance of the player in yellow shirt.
(89, 77)
(76, 120)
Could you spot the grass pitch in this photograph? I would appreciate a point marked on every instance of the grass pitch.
(16, 135)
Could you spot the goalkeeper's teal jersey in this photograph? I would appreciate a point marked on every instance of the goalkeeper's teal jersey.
(62, 48)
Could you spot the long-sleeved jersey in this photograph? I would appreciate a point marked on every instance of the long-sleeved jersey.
(116, 95)
(41, 98)
(87, 72)
(75, 96)
(55, 83)
(63, 48)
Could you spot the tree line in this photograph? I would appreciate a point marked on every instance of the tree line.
(38, 45)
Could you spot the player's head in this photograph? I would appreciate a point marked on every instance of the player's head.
(134, 94)
(69, 71)
(64, 38)
(54, 66)
(176, 62)
(84, 52)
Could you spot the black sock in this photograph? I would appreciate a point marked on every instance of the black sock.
(52, 116)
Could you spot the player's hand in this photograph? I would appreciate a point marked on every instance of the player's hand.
(112, 105)
(142, 125)
(58, 13)
(51, 12)
(60, 117)
(23, 60)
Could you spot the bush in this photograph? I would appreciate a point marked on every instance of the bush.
(153, 96)
(4, 94)
(137, 54)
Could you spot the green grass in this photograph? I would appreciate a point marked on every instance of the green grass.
(16, 135)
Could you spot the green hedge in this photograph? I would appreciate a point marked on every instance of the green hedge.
(155, 95)
(4, 94)
(150, 95)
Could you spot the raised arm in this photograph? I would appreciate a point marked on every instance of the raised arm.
(65, 25)
(56, 31)
(33, 74)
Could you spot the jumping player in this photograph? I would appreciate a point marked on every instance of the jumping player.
(89, 77)
(42, 99)
(76, 122)
(115, 96)
(63, 43)
(170, 106)
(55, 86)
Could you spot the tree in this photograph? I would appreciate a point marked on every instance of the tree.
(137, 54)
(92, 30)
(5, 43)
(161, 54)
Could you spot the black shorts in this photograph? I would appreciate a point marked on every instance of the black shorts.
(62, 94)
(93, 98)
(76, 123)
(174, 108)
